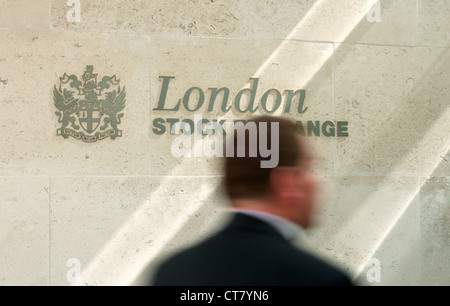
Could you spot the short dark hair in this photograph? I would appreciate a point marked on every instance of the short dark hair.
(244, 176)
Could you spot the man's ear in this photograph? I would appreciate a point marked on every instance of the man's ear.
(284, 182)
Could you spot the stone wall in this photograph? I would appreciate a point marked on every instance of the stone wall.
(115, 207)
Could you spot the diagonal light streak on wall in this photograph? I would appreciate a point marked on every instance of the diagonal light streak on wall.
(314, 13)
(362, 235)
(372, 210)
(99, 270)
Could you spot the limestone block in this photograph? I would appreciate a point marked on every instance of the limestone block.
(116, 227)
(435, 231)
(217, 18)
(25, 14)
(360, 21)
(434, 23)
(24, 234)
(399, 254)
(320, 20)
(357, 214)
(32, 63)
(395, 101)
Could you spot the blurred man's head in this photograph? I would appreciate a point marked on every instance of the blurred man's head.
(288, 190)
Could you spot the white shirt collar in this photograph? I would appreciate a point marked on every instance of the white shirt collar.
(286, 228)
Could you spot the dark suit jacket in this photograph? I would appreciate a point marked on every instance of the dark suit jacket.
(248, 252)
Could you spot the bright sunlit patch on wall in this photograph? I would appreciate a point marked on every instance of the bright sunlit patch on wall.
(110, 268)
(382, 231)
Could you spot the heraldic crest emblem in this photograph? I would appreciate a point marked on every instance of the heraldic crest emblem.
(89, 111)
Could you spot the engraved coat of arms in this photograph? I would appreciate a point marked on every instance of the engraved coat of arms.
(89, 111)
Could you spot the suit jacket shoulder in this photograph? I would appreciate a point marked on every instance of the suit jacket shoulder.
(247, 252)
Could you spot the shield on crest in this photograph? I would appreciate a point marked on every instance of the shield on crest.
(90, 120)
